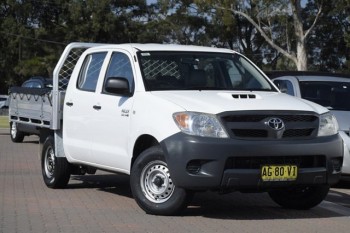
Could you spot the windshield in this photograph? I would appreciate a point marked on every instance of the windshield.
(332, 95)
(200, 71)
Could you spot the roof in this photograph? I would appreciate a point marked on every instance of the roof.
(310, 75)
(175, 47)
(165, 47)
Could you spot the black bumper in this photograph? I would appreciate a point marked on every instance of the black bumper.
(210, 163)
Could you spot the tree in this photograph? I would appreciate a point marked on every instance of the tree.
(229, 30)
(273, 33)
(265, 23)
(177, 22)
(328, 50)
(14, 18)
(34, 33)
(347, 33)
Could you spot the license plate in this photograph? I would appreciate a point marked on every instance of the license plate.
(279, 172)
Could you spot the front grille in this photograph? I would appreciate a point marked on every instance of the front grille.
(255, 124)
(256, 162)
(292, 133)
(259, 117)
(250, 133)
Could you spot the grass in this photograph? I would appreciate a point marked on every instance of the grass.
(4, 122)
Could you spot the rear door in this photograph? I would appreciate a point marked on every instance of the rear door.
(79, 108)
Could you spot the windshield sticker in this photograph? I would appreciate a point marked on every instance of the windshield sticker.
(145, 54)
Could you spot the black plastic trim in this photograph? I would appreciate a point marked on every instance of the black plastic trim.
(212, 153)
(30, 91)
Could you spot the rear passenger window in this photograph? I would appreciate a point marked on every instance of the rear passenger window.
(90, 71)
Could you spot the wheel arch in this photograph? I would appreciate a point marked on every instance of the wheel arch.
(142, 143)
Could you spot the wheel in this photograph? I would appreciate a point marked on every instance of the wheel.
(152, 186)
(16, 135)
(301, 198)
(55, 171)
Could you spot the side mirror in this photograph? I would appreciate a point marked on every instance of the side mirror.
(117, 86)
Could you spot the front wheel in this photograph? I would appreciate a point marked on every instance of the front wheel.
(302, 198)
(152, 185)
(55, 171)
(16, 135)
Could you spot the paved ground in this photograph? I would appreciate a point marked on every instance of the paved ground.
(103, 203)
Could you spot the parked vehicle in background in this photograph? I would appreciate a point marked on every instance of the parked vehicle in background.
(4, 103)
(180, 119)
(327, 89)
(36, 84)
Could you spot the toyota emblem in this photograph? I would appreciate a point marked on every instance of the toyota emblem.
(275, 123)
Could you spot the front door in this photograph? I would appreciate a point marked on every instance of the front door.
(112, 113)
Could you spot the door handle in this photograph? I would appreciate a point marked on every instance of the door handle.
(69, 104)
(97, 107)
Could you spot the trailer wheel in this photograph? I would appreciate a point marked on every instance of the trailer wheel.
(152, 186)
(55, 170)
(300, 198)
(16, 135)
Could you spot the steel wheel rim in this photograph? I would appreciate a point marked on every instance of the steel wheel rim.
(13, 130)
(156, 183)
(49, 162)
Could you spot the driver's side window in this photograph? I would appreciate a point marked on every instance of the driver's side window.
(120, 67)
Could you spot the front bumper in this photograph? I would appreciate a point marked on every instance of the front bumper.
(200, 163)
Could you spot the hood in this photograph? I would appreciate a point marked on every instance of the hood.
(343, 118)
(215, 102)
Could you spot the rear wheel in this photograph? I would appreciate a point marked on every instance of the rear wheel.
(55, 171)
(152, 185)
(16, 135)
(302, 198)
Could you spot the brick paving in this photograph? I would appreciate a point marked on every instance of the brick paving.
(103, 203)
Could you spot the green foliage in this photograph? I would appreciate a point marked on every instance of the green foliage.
(34, 33)
(35, 65)
(328, 49)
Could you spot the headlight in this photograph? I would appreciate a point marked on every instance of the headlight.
(199, 124)
(328, 125)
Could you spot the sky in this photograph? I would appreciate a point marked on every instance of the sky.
(151, 1)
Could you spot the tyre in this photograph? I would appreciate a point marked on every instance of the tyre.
(301, 198)
(16, 135)
(55, 171)
(152, 186)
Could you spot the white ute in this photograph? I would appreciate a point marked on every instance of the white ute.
(180, 119)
